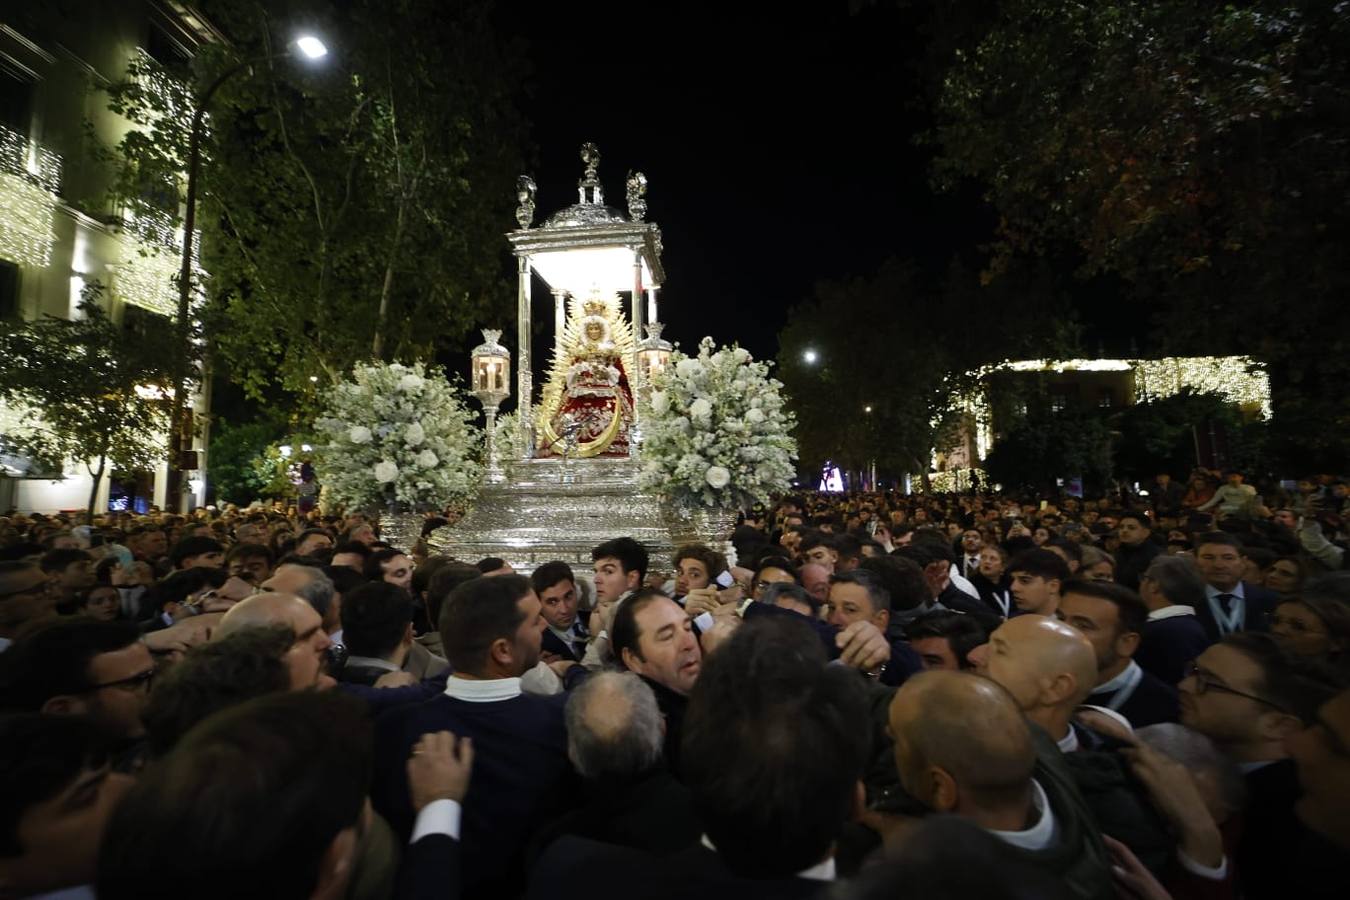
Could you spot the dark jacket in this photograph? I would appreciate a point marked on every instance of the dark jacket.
(1167, 645)
(551, 643)
(673, 706)
(1131, 562)
(1150, 703)
(521, 778)
(651, 812)
(569, 870)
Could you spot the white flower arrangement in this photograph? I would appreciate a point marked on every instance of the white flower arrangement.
(716, 431)
(397, 433)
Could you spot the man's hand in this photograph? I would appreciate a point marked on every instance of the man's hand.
(1174, 794)
(439, 768)
(235, 589)
(560, 666)
(601, 617)
(701, 600)
(181, 637)
(1132, 878)
(395, 679)
(863, 646)
(724, 626)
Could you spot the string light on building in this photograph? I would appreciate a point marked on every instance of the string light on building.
(27, 221)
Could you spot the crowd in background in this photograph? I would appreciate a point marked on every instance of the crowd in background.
(857, 695)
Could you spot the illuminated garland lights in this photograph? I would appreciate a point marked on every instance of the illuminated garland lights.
(1238, 379)
(26, 159)
(27, 222)
(957, 480)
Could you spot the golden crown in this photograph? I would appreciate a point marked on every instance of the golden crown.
(594, 307)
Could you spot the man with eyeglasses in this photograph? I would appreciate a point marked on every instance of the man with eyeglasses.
(1250, 697)
(24, 598)
(82, 667)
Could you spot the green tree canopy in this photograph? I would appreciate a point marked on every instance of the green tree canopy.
(99, 391)
(1195, 149)
(350, 209)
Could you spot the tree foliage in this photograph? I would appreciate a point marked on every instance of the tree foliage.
(910, 349)
(233, 461)
(1196, 149)
(1045, 445)
(350, 209)
(102, 390)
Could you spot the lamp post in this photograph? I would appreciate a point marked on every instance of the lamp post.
(490, 377)
(310, 48)
(653, 353)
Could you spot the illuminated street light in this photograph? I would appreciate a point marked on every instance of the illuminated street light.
(810, 357)
(311, 47)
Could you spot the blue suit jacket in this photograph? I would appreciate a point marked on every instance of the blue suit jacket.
(1260, 604)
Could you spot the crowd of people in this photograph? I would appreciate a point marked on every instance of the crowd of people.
(855, 696)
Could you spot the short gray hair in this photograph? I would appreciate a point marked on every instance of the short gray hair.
(318, 591)
(613, 726)
(1201, 758)
(1178, 578)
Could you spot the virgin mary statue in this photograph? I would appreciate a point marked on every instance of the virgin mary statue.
(588, 404)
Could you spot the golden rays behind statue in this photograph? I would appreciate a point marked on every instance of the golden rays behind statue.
(587, 408)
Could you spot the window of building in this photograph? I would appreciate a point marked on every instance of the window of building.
(9, 290)
(1058, 402)
(166, 49)
(1104, 402)
(16, 100)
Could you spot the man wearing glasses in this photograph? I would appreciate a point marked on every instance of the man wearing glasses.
(24, 598)
(1248, 696)
(82, 667)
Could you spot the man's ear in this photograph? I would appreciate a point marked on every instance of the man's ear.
(943, 793)
(633, 579)
(500, 652)
(1128, 643)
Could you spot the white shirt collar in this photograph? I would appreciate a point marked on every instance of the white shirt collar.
(489, 690)
(1250, 767)
(1068, 743)
(1040, 835)
(821, 871)
(1170, 612)
(1212, 591)
(567, 636)
(1115, 684)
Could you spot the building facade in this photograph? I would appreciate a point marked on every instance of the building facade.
(59, 232)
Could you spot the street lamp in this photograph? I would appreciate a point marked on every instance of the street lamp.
(490, 377)
(309, 47)
(810, 357)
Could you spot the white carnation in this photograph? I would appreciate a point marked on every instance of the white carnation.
(660, 402)
(410, 383)
(385, 472)
(754, 415)
(427, 460)
(700, 409)
(688, 368)
(717, 477)
(414, 434)
(741, 355)
(359, 434)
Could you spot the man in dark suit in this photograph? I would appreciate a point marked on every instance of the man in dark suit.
(1231, 604)
(566, 635)
(1137, 548)
(614, 736)
(1172, 589)
(1112, 617)
(377, 630)
(491, 629)
(775, 744)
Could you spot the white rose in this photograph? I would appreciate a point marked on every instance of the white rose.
(700, 409)
(754, 416)
(741, 355)
(385, 472)
(410, 383)
(688, 368)
(660, 402)
(426, 459)
(717, 477)
(414, 434)
(359, 434)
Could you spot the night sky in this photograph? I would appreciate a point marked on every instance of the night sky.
(779, 147)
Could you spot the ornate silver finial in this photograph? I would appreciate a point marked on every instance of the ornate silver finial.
(654, 330)
(590, 155)
(525, 191)
(637, 190)
(491, 335)
(590, 180)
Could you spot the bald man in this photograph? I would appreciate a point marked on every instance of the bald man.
(308, 657)
(1047, 666)
(991, 776)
